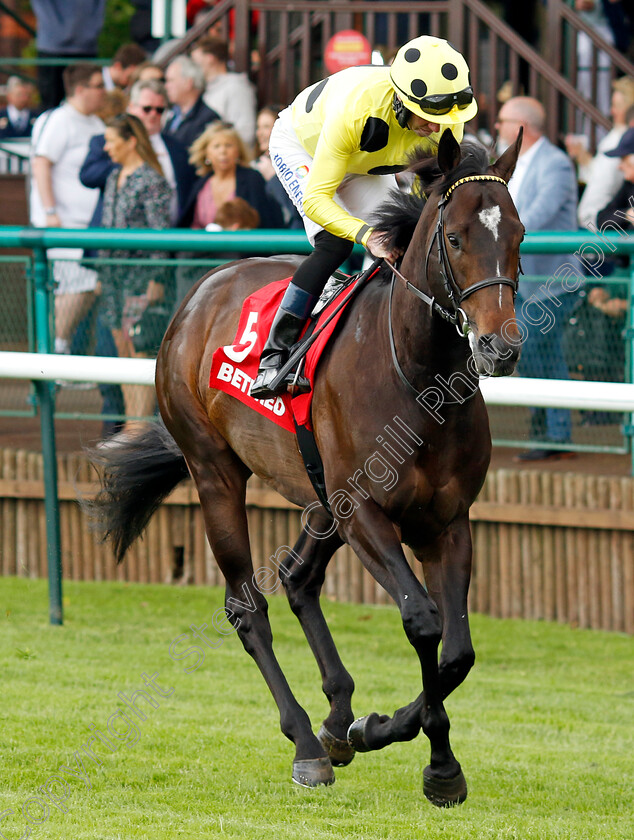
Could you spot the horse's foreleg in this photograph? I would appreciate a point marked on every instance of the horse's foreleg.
(447, 575)
(221, 483)
(374, 539)
(447, 566)
(303, 581)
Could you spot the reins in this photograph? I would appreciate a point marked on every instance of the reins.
(455, 294)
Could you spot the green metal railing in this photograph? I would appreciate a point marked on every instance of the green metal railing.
(246, 242)
(265, 241)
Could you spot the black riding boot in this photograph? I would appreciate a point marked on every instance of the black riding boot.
(287, 326)
(299, 298)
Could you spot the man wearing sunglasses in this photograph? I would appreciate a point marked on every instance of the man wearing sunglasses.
(148, 102)
(336, 150)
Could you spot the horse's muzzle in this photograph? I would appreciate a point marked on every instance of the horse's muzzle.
(494, 356)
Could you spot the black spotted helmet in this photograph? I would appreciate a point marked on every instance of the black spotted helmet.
(432, 80)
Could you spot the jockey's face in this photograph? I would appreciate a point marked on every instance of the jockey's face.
(422, 127)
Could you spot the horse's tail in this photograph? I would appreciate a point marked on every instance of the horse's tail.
(136, 475)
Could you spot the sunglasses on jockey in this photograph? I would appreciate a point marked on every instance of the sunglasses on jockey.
(444, 102)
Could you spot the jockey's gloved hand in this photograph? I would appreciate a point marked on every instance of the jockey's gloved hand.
(377, 247)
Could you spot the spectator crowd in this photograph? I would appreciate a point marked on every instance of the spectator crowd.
(133, 145)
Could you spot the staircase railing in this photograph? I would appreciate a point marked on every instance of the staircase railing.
(283, 51)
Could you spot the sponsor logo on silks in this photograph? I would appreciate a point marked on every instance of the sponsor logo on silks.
(241, 381)
(289, 178)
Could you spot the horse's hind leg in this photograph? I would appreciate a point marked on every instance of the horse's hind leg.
(221, 481)
(303, 580)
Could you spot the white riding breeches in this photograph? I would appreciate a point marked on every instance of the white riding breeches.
(292, 163)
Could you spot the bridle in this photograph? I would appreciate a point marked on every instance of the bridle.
(454, 293)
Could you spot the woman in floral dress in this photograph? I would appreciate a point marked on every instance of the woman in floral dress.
(136, 195)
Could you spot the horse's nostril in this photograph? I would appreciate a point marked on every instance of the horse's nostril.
(495, 356)
(494, 346)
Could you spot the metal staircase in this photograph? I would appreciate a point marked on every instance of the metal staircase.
(282, 47)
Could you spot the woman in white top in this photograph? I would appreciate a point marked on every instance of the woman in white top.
(601, 174)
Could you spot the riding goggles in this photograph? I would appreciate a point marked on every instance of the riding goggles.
(444, 102)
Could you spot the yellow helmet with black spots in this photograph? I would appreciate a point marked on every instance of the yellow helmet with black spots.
(431, 78)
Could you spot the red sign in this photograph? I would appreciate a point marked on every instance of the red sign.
(347, 49)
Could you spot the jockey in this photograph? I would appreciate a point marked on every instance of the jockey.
(336, 149)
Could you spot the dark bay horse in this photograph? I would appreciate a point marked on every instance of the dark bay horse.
(404, 437)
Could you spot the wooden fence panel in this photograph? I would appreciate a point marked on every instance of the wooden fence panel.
(553, 546)
(8, 560)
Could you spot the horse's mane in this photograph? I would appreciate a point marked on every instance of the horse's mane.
(398, 216)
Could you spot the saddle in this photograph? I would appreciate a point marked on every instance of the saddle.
(234, 366)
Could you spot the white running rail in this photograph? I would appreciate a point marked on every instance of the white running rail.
(508, 390)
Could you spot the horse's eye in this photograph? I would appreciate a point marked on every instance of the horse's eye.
(453, 240)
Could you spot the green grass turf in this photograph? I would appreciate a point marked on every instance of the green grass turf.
(543, 726)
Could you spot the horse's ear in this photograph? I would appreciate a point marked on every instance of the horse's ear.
(448, 151)
(504, 166)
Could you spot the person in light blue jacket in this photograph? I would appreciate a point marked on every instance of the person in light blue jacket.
(544, 189)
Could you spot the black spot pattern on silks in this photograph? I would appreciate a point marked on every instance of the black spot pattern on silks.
(385, 170)
(419, 88)
(449, 71)
(412, 55)
(314, 95)
(375, 135)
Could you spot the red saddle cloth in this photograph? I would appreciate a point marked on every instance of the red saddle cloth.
(235, 366)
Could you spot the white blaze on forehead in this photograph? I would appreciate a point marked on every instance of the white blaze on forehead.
(490, 218)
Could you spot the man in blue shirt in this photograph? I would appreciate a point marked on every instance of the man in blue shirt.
(65, 29)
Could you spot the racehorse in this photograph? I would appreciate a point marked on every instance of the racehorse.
(401, 371)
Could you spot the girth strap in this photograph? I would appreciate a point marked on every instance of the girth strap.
(313, 463)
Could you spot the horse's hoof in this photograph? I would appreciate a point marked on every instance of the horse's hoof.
(340, 752)
(444, 792)
(311, 772)
(357, 731)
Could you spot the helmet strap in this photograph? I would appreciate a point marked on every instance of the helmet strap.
(401, 112)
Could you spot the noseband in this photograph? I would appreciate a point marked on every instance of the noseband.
(454, 293)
